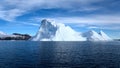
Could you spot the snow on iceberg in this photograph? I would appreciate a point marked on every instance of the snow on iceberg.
(92, 36)
(51, 31)
(105, 36)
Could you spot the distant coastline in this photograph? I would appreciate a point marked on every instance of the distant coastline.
(16, 36)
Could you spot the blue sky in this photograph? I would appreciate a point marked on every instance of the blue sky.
(24, 16)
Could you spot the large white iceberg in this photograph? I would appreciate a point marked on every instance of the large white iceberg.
(51, 31)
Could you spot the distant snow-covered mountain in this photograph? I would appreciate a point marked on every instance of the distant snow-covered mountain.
(2, 34)
(14, 36)
(51, 31)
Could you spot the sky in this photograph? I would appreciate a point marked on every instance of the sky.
(24, 16)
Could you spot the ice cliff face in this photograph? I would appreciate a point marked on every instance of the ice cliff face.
(51, 31)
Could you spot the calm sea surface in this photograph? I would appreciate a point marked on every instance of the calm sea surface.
(28, 54)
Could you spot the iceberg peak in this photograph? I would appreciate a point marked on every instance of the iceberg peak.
(91, 32)
(104, 35)
(92, 36)
(47, 22)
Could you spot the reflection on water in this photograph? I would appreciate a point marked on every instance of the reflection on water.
(27, 54)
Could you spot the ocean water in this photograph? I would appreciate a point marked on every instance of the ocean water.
(28, 54)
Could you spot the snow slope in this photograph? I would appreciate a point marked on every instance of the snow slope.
(92, 36)
(105, 36)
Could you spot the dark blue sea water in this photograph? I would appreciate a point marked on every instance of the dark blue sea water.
(28, 54)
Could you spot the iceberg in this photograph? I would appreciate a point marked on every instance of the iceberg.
(49, 30)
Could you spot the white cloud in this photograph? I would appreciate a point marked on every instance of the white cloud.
(49, 4)
(32, 24)
(111, 22)
(9, 10)
(104, 27)
(93, 27)
(93, 19)
(10, 15)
